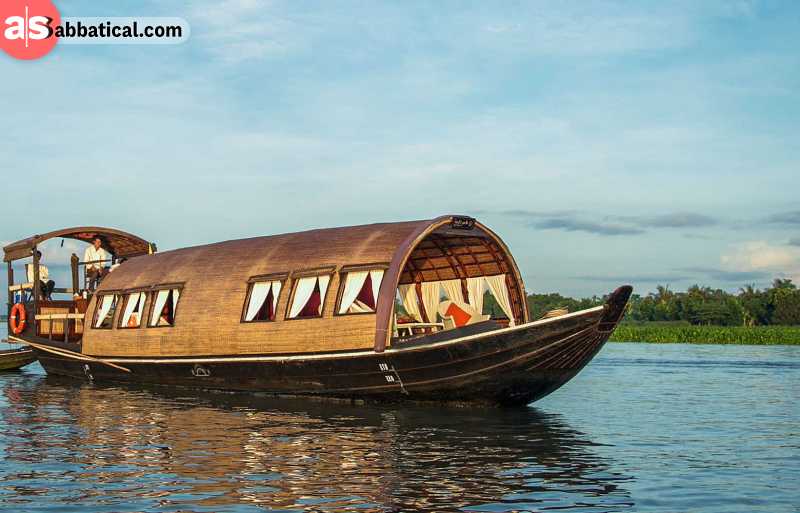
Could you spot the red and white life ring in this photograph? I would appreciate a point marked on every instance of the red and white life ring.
(17, 319)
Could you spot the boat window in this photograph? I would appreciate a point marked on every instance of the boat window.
(133, 310)
(262, 301)
(359, 292)
(104, 311)
(308, 296)
(165, 306)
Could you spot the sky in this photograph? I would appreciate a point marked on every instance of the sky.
(606, 142)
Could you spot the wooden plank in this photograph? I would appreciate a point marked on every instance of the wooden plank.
(59, 316)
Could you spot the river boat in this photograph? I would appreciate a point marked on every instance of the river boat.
(384, 312)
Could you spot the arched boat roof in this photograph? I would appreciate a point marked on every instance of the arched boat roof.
(119, 243)
(215, 276)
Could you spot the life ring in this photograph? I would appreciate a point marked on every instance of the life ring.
(17, 318)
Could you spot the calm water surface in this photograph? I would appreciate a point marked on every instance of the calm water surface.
(662, 428)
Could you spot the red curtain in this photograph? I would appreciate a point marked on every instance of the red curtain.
(266, 312)
(365, 295)
(312, 308)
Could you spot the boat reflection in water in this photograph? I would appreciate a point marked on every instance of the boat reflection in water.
(105, 447)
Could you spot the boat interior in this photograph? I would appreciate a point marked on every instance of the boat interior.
(454, 279)
(453, 282)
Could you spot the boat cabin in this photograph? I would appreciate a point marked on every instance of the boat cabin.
(61, 316)
(336, 289)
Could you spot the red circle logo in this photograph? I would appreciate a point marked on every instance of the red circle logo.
(27, 27)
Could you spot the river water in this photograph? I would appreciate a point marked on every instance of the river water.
(662, 428)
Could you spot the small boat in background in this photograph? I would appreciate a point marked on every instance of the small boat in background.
(13, 359)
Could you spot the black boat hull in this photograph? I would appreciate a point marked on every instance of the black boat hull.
(511, 366)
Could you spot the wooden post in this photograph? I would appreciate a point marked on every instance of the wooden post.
(74, 265)
(36, 287)
(10, 283)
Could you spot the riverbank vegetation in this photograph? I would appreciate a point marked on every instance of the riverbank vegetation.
(657, 332)
(699, 315)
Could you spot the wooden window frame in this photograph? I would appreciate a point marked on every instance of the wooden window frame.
(329, 271)
(343, 272)
(282, 278)
(114, 307)
(154, 293)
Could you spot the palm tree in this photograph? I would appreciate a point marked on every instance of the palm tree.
(783, 283)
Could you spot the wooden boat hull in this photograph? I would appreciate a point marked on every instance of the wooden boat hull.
(510, 366)
(13, 359)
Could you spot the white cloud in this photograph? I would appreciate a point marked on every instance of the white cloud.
(763, 256)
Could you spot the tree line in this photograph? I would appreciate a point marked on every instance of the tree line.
(775, 305)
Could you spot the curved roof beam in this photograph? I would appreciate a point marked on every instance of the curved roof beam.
(391, 278)
(121, 244)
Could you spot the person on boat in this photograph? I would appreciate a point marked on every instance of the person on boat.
(94, 257)
(46, 285)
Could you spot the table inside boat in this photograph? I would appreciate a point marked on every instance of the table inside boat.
(409, 329)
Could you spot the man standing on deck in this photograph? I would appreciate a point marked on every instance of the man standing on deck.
(94, 258)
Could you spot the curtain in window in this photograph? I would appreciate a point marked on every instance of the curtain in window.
(475, 289)
(354, 282)
(158, 306)
(131, 317)
(408, 295)
(130, 305)
(430, 299)
(258, 295)
(497, 284)
(276, 293)
(105, 306)
(304, 291)
(452, 289)
(323, 284)
(376, 277)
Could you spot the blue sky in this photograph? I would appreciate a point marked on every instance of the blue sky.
(607, 142)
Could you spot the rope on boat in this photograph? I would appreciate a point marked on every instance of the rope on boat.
(69, 354)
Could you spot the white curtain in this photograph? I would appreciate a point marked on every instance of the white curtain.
(130, 305)
(377, 277)
(475, 291)
(430, 299)
(276, 293)
(497, 284)
(323, 288)
(140, 307)
(135, 303)
(105, 307)
(302, 293)
(352, 286)
(176, 295)
(452, 289)
(257, 297)
(408, 295)
(161, 299)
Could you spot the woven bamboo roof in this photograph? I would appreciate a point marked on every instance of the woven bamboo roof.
(214, 278)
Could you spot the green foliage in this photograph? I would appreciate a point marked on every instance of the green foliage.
(660, 333)
(539, 304)
(709, 307)
(786, 306)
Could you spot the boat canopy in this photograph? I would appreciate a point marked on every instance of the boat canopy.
(117, 242)
(280, 280)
